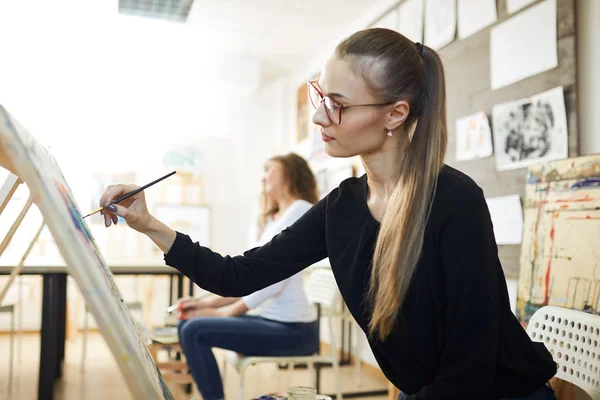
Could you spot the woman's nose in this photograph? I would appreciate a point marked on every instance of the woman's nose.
(320, 117)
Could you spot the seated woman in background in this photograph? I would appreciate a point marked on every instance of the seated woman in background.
(285, 324)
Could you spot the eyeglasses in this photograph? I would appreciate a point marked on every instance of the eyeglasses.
(333, 109)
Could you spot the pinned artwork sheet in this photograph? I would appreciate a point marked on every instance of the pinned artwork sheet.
(473, 137)
(475, 15)
(524, 45)
(410, 19)
(389, 21)
(530, 130)
(507, 217)
(515, 5)
(440, 23)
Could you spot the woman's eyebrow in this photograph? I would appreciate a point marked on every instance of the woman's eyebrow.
(338, 95)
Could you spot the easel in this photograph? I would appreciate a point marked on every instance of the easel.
(7, 191)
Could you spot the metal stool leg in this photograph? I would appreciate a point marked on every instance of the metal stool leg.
(241, 388)
(20, 321)
(85, 336)
(12, 345)
(311, 373)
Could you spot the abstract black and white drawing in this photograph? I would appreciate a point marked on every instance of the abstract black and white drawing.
(530, 130)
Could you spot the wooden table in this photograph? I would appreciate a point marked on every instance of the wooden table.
(54, 313)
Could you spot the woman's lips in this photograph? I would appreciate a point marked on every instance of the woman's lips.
(326, 138)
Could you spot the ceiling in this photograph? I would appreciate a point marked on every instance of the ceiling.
(129, 75)
(284, 33)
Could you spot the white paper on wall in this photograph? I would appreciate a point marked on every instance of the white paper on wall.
(410, 19)
(524, 45)
(474, 15)
(389, 21)
(507, 217)
(530, 130)
(512, 286)
(515, 5)
(473, 137)
(440, 23)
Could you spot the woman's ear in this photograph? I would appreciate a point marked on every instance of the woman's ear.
(397, 115)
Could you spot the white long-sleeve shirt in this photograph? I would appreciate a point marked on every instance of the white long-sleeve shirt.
(283, 301)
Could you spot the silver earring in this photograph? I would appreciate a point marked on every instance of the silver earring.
(390, 133)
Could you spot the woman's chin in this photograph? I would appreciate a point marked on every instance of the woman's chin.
(336, 152)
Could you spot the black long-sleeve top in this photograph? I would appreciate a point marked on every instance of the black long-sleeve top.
(456, 336)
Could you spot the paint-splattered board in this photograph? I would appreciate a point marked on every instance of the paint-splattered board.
(560, 255)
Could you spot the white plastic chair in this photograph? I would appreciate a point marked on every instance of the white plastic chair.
(573, 338)
(357, 333)
(321, 289)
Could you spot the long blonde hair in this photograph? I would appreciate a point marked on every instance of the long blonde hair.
(395, 68)
(301, 183)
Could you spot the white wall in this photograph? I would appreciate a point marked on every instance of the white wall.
(588, 68)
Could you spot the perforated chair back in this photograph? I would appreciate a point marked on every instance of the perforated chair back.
(573, 338)
(322, 288)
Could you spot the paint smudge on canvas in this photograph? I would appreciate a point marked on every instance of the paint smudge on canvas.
(560, 263)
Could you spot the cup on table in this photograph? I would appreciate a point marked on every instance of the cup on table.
(301, 393)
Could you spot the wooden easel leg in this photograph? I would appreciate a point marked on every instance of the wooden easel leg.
(11, 232)
(8, 189)
(15, 272)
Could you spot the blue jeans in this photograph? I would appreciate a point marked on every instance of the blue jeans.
(543, 393)
(247, 335)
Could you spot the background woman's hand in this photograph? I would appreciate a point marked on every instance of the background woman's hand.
(202, 312)
(186, 303)
(133, 210)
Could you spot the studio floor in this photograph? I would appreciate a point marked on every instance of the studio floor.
(101, 379)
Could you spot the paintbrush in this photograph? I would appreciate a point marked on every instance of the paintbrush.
(126, 196)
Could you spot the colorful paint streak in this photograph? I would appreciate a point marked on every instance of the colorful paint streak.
(549, 268)
(587, 183)
(562, 226)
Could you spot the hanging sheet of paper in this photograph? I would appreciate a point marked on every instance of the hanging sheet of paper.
(513, 289)
(507, 217)
(515, 5)
(389, 21)
(410, 19)
(530, 130)
(474, 15)
(524, 45)
(440, 23)
(473, 137)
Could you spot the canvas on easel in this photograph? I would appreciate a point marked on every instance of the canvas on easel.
(51, 193)
(560, 254)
